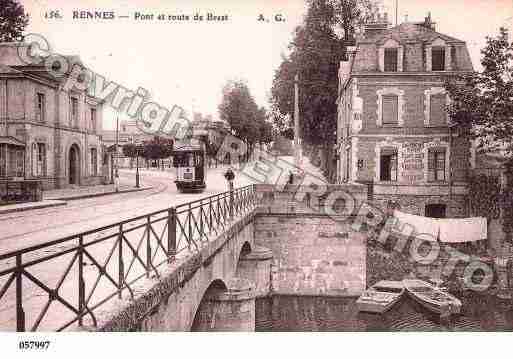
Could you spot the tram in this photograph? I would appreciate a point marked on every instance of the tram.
(189, 161)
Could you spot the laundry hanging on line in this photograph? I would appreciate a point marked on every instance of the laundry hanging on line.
(448, 230)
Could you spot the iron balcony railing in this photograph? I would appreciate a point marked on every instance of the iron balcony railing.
(55, 285)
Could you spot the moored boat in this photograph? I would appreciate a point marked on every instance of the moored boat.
(432, 297)
(380, 297)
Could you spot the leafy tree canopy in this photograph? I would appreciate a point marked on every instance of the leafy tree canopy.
(13, 21)
(315, 55)
(482, 103)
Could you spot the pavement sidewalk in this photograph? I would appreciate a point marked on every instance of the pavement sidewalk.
(58, 197)
(18, 207)
(89, 191)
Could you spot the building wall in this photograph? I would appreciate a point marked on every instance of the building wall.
(414, 83)
(313, 255)
(54, 130)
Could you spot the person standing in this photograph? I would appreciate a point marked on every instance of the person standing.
(230, 176)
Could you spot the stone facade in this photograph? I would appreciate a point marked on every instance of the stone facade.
(61, 129)
(393, 130)
(313, 255)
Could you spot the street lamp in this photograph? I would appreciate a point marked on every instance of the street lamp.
(138, 149)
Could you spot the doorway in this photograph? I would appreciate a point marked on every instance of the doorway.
(436, 210)
(74, 165)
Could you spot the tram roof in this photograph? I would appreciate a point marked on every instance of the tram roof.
(189, 148)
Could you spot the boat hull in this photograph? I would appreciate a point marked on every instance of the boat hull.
(450, 305)
(380, 297)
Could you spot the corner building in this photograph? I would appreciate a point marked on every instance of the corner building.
(59, 129)
(393, 132)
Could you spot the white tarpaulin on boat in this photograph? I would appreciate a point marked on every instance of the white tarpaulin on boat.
(459, 230)
(449, 230)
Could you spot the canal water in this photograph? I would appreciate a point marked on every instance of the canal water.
(301, 313)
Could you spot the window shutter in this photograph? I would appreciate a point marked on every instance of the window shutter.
(431, 166)
(438, 59)
(390, 60)
(393, 167)
(390, 110)
(437, 112)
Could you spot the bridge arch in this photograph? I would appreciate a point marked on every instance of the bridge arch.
(202, 307)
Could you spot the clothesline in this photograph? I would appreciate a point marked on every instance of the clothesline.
(448, 230)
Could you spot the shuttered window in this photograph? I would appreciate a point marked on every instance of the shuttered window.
(438, 58)
(3, 160)
(437, 114)
(94, 162)
(436, 164)
(41, 107)
(390, 60)
(390, 109)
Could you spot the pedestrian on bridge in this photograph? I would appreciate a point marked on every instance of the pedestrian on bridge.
(230, 176)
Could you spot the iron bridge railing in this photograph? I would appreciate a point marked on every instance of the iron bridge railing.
(55, 285)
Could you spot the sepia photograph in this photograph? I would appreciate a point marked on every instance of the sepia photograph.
(264, 169)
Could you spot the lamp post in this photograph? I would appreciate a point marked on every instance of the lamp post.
(116, 171)
(297, 149)
(137, 151)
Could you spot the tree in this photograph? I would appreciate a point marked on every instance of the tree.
(13, 21)
(482, 103)
(315, 55)
(130, 151)
(353, 13)
(157, 149)
(239, 109)
(482, 107)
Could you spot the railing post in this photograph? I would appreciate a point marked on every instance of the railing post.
(190, 225)
(148, 248)
(231, 200)
(210, 214)
(171, 234)
(20, 313)
(81, 283)
(201, 220)
(121, 264)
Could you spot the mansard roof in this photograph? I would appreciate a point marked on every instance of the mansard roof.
(408, 32)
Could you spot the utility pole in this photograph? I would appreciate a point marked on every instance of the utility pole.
(396, 5)
(116, 172)
(297, 148)
(137, 150)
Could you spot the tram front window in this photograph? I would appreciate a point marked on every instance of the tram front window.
(183, 160)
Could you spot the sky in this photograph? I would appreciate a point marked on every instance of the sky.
(186, 63)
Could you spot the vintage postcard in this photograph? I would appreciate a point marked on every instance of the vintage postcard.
(257, 166)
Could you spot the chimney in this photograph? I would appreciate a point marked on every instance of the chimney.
(428, 23)
(376, 24)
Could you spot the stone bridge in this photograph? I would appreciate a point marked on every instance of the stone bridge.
(280, 247)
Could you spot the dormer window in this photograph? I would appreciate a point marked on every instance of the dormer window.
(390, 55)
(438, 58)
(391, 60)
